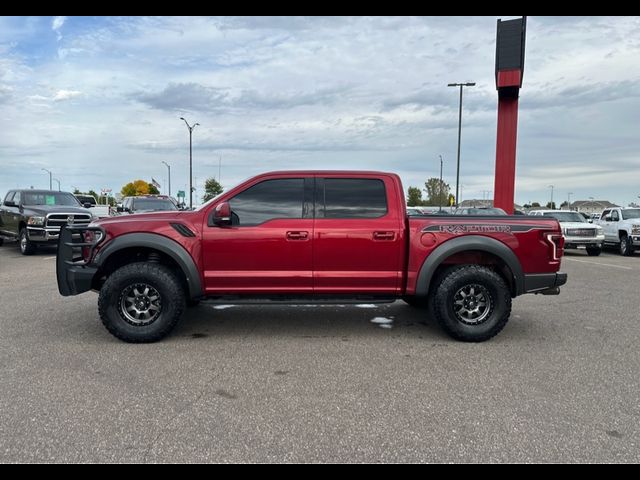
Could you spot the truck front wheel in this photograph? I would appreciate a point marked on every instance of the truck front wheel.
(27, 247)
(141, 302)
(472, 303)
(625, 246)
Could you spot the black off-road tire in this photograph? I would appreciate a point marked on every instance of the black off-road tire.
(483, 290)
(144, 282)
(26, 246)
(594, 251)
(626, 250)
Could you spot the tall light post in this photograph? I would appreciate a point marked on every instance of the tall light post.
(55, 179)
(190, 127)
(551, 204)
(569, 200)
(169, 168)
(440, 196)
(50, 179)
(469, 84)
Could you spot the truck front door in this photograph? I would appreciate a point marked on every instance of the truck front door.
(267, 249)
(358, 240)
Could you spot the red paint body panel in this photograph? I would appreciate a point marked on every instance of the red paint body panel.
(339, 256)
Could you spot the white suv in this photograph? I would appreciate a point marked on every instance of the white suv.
(577, 231)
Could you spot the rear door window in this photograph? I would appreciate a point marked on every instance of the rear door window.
(352, 198)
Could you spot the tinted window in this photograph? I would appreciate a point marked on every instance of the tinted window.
(49, 198)
(9, 197)
(354, 198)
(16, 198)
(281, 198)
(629, 214)
(566, 216)
(614, 216)
(152, 204)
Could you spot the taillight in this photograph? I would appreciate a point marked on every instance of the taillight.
(556, 245)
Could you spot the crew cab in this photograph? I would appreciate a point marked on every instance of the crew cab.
(621, 228)
(309, 236)
(34, 217)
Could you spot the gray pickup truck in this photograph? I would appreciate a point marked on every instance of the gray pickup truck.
(34, 217)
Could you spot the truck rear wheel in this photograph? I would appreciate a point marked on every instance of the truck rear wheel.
(141, 302)
(472, 303)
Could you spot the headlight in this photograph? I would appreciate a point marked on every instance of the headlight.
(635, 229)
(39, 221)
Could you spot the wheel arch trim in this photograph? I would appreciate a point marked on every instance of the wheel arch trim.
(467, 243)
(169, 247)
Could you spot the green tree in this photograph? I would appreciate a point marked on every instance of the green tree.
(414, 197)
(153, 190)
(437, 191)
(535, 205)
(93, 194)
(211, 189)
(551, 205)
(137, 187)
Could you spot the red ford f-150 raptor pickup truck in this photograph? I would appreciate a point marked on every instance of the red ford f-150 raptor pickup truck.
(309, 236)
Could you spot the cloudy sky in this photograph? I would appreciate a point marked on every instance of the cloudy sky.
(98, 101)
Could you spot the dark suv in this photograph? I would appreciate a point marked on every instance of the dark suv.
(34, 217)
(147, 203)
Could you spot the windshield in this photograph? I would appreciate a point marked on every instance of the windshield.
(49, 198)
(148, 204)
(632, 213)
(566, 216)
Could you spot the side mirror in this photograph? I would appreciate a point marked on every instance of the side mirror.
(221, 215)
(86, 205)
(119, 209)
(10, 203)
(607, 218)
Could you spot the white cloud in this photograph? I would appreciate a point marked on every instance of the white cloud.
(57, 23)
(62, 95)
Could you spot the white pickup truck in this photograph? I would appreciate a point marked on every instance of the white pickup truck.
(89, 202)
(621, 228)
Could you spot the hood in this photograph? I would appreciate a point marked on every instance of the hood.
(45, 209)
(142, 217)
(579, 225)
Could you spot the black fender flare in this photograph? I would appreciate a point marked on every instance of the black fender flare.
(169, 247)
(462, 244)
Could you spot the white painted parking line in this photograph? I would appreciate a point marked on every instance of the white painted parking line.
(49, 258)
(598, 263)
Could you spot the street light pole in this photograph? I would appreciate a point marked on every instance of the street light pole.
(469, 84)
(169, 168)
(551, 205)
(440, 196)
(190, 127)
(58, 183)
(50, 182)
(569, 200)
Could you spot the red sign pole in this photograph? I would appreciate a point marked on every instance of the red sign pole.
(509, 70)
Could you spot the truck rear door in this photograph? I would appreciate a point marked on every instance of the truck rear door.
(359, 235)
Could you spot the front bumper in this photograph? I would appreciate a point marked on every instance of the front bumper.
(73, 273)
(43, 234)
(545, 283)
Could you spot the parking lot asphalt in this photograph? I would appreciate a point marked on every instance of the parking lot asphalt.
(322, 383)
